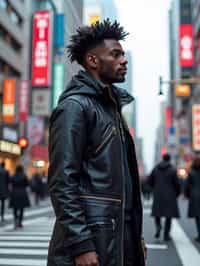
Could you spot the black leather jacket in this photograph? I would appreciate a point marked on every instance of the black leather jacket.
(86, 181)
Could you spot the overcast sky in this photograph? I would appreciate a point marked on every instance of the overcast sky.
(147, 23)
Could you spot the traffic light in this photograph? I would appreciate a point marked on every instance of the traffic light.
(23, 142)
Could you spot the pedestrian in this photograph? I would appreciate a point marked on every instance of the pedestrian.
(93, 176)
(165, 185)
(192, 192)
(19, 196)
(37, 187)
(4, 188)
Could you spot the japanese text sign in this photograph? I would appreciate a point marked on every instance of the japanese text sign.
(41, 49)
(186, 45)
(196, 126)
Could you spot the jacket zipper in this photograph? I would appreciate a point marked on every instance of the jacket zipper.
(106, 139)
(100, 198)
(123, 185)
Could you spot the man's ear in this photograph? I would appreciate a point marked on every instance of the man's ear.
(91, 60)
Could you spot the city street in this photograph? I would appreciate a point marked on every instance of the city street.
(28, 247)
(182, 251)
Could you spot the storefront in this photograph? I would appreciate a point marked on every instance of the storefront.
(10, 153)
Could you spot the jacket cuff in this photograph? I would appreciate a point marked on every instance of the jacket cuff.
(82, 247)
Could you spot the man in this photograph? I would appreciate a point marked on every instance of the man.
(164, 182)
(4, 183)
(93, 177)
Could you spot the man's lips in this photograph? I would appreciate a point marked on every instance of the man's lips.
(122, 70)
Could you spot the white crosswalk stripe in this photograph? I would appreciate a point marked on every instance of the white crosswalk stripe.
(27, 246)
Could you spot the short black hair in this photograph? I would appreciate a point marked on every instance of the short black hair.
(88, 37)
(166, 157)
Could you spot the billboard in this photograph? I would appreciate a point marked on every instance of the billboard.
(196, 127)
(167, 120)
(59, 30)
(41, 100)
(23, 100)
(41, 48)
(8, 110)
(35, 130)
(186, 45)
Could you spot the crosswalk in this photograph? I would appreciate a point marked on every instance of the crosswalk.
(27, 246)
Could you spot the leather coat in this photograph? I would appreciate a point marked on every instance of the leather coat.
(85, 179)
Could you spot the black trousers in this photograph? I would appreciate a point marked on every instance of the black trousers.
(167, 225)
(197, 220)
(18, 215)
(2, 208)
(128, 245)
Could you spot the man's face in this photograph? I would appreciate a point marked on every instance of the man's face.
(111, 67)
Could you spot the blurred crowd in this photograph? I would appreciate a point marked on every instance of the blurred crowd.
(20, 192)
(165, 186)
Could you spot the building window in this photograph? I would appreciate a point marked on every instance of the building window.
(7, 70)
(3, 4)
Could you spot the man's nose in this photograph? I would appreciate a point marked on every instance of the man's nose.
(124, 61)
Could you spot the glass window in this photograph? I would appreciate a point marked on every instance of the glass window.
(14, 17)
(3, 4)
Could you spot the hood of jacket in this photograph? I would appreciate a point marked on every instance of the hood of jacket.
(164, 165)
(85, 84)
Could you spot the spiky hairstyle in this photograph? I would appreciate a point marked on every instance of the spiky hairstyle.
(88, 37)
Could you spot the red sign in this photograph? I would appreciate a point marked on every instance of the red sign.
(167, 120)
(39, 152)
(196, 126)
(41, 49)
(186, 45)
(23, 100)
(8, 112)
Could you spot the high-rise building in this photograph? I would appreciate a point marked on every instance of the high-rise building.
(14, 67)
(181, 67)
(60, 19)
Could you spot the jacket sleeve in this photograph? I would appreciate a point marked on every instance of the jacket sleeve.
(67, 142)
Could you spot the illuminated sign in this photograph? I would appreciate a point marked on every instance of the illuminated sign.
(41, 50)
(58, 83)
(8, 112)
(23, 100)
(167, 120)
(93, 19)
(182, 90)
(196, 126)
(186, 45)
(10, 147)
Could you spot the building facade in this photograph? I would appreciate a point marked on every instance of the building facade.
(181, 68)
(14, 66)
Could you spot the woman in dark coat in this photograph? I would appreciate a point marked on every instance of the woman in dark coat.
(192, 191)
(165, 185)
(19, 197)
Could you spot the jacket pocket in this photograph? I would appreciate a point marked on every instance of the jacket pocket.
(107, 136)
(103, 232)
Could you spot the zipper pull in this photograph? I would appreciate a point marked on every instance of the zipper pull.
(113, 224)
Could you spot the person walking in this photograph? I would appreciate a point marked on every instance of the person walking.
(19, 196)
(93, 175)
(4, 188)
(37, 187)
(166, 188)
(192, 192)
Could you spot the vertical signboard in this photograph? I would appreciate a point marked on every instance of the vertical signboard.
(41, 49)
(59, 30)
(58, 84)
(23, 100)
(196, 127)
(167, 120)
(8, 110)
(186, 45)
